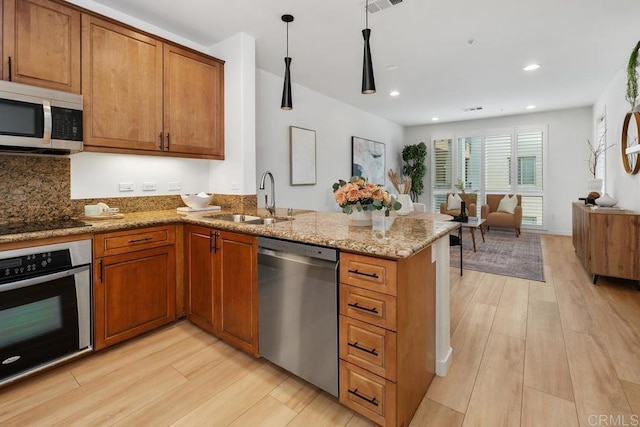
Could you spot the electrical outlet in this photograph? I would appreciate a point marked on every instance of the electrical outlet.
(235, 186)
(149, 186)
(125, 186)
(175, 186)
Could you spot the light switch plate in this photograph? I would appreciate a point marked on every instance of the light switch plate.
(174, 186)
(149, 186)
(125, 186)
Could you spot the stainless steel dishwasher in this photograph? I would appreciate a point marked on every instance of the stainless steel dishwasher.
(298, 309)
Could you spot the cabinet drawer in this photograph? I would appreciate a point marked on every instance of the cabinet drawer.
(133, 240)
(368, 347)
(369, 306)
(368, 394)
(368, 272)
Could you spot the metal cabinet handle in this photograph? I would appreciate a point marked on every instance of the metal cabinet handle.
(211, 241)
(101, 270)
(374, 275)
(9, 68)
(366, 350)
(215, 242)
(356, 306)
(168, 141)
(371, 400)
(161, 145)
(146, 239)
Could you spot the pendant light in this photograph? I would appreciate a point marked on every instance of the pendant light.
(287, 103)
(368, 82)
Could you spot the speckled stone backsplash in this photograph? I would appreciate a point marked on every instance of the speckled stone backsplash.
(39, 189)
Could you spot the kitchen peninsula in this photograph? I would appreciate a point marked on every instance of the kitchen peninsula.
(407, 258)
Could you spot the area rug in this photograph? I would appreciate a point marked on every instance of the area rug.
(503, 253)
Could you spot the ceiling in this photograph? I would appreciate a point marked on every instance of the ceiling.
(580, 45)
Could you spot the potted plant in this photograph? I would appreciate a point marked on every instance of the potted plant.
(414, 166)
(632, 78)
(596, 152)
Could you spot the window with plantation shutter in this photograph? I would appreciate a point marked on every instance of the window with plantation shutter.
(497, 167)
(470, 163)
(442, 170)
(529, 172)
(442, 164)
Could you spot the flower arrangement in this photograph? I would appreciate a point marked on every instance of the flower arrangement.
(359, 194)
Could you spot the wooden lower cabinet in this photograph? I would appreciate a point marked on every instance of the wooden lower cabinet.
(222, 285)
(134, 290)
(387, 335)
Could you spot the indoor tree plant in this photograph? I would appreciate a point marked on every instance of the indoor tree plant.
(414, 166)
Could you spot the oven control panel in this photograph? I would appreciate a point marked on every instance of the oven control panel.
(38, 264)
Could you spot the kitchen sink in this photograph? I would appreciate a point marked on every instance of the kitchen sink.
(248, 219)
(234, 218)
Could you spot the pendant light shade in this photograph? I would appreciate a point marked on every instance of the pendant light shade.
(368, 81)
(287, 101)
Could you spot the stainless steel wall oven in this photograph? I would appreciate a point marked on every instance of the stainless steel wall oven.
(45, 307)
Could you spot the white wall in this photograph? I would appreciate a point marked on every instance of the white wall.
(334, 122)
(237, 173)
(622, 186)
(95, 175)
(566, 170)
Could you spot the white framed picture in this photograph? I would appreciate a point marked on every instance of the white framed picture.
(302, 155)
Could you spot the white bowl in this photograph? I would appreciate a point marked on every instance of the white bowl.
(199, 200)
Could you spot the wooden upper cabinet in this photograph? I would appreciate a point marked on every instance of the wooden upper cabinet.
(193, 103)
(42, 39)
(148, 97)
(122, 87)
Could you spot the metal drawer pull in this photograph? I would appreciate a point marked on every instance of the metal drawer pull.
(370, 400)
(370, 310)
(146, 239)
(366, 350)
(374, 275)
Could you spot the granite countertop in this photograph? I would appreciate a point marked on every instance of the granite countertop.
(393, 237)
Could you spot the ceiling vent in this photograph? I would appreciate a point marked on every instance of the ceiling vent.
(472, 109)
(378, 5)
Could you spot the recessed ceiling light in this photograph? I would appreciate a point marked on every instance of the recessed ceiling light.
(394, 93)
(531, 107)
(392, 67)
(435, 119)
(531, 67)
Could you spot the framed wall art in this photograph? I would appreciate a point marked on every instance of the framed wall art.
(368, 160)
(302, 155)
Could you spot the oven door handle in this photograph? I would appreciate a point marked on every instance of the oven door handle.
(42, 279)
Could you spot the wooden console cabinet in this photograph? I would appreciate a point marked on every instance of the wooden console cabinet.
(387, 335)
(607, 242)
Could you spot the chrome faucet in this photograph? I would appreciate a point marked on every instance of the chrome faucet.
(271, 208)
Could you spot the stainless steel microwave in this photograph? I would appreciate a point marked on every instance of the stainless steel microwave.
(35, 120)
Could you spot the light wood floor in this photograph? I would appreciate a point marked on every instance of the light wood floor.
(560, 353)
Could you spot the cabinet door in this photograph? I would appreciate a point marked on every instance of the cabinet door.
(122, 88)
(201, 281)
(42, 39)
(193, 103)
(239, 290)
(133, 293)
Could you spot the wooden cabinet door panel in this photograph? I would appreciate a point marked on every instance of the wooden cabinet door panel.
(239, 290)
(134, 293)
(193, 103)
(202, 281)
(122, 87)
(43, 40)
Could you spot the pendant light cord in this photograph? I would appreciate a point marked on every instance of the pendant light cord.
(287, 39)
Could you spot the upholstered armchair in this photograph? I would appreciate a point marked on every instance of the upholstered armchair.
(493, 217)
(469, 199)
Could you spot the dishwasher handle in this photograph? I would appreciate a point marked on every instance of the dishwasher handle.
(301, 259)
